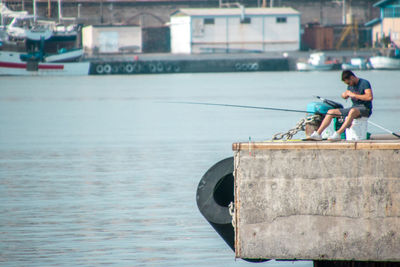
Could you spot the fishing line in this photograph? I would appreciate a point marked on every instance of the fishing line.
(387, 130)
(250, 107)
(276, 109)
(241, 106)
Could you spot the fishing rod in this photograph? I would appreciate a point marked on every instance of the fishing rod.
(386, 130)
(241, 106)
(250, 107)
(327, 101)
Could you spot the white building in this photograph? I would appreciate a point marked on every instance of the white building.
(199, 30)
(112, 39)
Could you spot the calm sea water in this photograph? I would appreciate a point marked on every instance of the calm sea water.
(99, 170)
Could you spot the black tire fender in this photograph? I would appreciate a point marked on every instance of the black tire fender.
(214, 194)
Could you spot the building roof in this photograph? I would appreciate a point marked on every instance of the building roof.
(235, 11)
(382, 3)
(373, 22)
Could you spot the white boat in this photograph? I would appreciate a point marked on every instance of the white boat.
(19, 25)
(36, 58)
(316, 61)
(388, 59)
(356, 64)
(24, 27)
(385, 63)
(12, 64)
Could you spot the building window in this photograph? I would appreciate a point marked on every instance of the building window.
(209, 21)
(396, 12)
(388, 12)
(198, 28)
(281, 20)
(245, 21)
(391, 12)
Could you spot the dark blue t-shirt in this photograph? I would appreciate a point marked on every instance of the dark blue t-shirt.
(359, 88)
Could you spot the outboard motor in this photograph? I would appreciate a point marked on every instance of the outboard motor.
(322, 108)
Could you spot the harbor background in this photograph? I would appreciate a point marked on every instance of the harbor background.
(156, 13)
(136, 37)
(101, 170)
(323, 24)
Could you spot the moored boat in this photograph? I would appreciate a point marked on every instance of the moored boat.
(29, 46)
(383, 62)
(25, 27)
(388, 59)
(356, 64)
(65, 55)
(316, 61)
(12, 63)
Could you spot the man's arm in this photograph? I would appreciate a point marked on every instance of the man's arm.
(345, 95)
(367, 96)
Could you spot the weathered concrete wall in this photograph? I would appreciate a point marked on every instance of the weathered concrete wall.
(310, 200)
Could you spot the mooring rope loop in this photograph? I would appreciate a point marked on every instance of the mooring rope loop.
(232, 213)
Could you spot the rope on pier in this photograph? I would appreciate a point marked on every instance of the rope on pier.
(232, 213)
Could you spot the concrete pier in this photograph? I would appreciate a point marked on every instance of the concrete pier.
(317, 200)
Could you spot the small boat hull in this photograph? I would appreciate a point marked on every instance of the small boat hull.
(316, 62)
(356, 64)
(67, 56)
(386, 63)
(11, 64)
(302, 66)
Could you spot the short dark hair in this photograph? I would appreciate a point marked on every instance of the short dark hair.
(346, 74)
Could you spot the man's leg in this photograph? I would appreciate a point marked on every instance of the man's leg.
(327, 120)
(353, 114)
(316, 135)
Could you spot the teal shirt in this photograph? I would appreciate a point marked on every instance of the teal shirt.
(359, 88)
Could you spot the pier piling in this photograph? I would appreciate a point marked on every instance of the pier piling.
(321, 201)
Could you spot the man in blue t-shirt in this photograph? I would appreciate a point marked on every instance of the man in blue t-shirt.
(360, 92)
